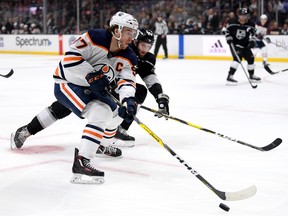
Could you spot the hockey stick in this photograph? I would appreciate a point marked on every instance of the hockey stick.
(269, 147)
(239, 60)
(269, 41)
(8, 75)
(267, 68)
(229, 196)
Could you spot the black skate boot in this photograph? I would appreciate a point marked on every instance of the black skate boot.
(83, 167)
(108, 151)
(17, 140)
(123, 135)
(231, 81)
(254, 79)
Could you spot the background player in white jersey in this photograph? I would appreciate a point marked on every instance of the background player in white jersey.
(241, 32)
(262, 27)
(99, 57)
(145, 69)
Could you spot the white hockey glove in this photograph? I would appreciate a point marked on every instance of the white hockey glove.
(163, 105)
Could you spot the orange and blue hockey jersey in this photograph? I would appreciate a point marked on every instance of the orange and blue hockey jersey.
(91, 52)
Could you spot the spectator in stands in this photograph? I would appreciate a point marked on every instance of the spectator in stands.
(211, 21)
(26, 29)
(35, 29)
(61, 12)
(15, 29)
(3, 30)
(274, 28)
(284, 30)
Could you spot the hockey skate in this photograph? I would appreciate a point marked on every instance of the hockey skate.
(123, 135)
(254, 79)
(109, 152)
(17, 140)
(84, 172)
(231, 81)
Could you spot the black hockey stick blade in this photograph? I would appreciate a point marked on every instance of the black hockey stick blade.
(8, 75)
(267, 68)
(269, 147)
(254, 86)
(272, 145)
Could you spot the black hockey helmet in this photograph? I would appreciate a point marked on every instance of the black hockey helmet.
(243, 11)
(146, 36)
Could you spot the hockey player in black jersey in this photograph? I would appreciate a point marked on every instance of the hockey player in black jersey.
(241, 32)
(145, 69)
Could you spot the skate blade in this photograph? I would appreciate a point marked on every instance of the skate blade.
(83, 179)
(12, 143)
(101, 155)
(228, 83)
(123, 144)
(255, 81)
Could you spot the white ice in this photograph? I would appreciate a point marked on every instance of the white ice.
(148, 180)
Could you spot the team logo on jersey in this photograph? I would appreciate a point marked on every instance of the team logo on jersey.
(240, 34)
(107, 70)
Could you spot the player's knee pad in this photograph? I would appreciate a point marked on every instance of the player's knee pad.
(58, 110)
(250, 67)
(46, 118)
(98, 113)
(234, 65)
(116, 121)
(141, 93)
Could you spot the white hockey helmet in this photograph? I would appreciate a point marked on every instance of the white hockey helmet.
(122, 19)
(263, 17)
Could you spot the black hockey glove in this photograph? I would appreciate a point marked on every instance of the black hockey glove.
(268, 40)
(97, 81)
(129, 109)
(163, 105)
(251, 31)
(251, 44)
(229, 39)
(260, 36)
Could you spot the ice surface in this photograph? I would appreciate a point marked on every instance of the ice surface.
(148, 180)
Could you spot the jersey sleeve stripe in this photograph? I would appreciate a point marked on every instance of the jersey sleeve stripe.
(61, 71)
(72, 58)
(126, 82)
(56, 72)
(74, 64)
(72, 53)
